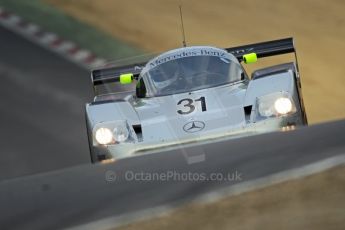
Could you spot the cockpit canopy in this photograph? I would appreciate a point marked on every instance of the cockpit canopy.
(189, 69)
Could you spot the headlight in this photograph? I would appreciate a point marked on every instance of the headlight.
(104, 136)
(121, 133)
(112, 132)
(275, 104)
(283, 105)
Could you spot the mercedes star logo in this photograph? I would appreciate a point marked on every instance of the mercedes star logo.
(194, 126)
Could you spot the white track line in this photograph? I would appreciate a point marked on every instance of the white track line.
(51, 41)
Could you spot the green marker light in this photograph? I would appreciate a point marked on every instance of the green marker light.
(126, 78)
(250, 58)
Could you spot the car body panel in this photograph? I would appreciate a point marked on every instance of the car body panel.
(197, 116)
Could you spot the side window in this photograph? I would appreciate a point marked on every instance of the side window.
(140, 89)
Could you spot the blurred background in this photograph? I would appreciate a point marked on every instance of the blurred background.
(317, 26)
(116, 29)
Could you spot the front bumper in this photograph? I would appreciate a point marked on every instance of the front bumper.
(123, 150)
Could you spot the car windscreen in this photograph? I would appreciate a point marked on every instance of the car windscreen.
(191, 73)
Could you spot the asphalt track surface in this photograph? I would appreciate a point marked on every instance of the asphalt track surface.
(41, 109)
(82, 194)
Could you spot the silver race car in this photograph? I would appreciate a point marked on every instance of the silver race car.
(189, 95)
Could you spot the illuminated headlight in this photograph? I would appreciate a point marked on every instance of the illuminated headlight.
(275, 104)
(283, 105)
(104, 136)
(114, 132)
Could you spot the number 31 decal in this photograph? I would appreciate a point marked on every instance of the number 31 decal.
(189, 105)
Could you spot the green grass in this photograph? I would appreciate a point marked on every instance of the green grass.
(54, 20)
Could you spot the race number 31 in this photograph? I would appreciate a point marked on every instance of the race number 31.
(189, 105)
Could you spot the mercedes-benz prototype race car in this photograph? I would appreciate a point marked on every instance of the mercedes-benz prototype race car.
(189, 95)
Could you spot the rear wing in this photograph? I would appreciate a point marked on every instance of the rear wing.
(110, 75)
(264, 49)
(130, 72)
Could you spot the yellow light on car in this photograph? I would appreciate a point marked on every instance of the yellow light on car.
(104, 136)
(283, 105)
(250, 58)
(126, 78)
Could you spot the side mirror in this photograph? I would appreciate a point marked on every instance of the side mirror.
(140, 89)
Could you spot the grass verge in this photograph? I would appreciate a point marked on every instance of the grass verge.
(54, 20)
(314, 202)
